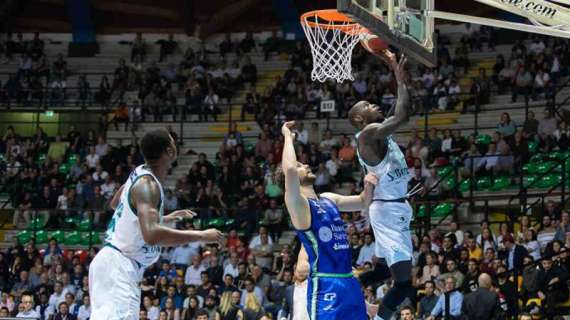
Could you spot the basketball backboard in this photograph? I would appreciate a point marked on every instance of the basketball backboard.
(401, 23)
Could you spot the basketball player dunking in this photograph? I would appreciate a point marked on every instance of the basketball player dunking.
(332, 291)
(390, 213)
(135, 233)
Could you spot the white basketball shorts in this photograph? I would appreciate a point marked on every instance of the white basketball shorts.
(391, 224)
(114, 286)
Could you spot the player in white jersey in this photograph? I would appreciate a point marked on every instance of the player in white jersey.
(136, 233)
(390, 213)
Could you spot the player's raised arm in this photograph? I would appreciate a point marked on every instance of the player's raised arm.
(145, 195)
(403, 109)
(297, 204)
(358, 202)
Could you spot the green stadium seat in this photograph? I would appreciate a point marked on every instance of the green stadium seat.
(529, 179)
(42, 237)
(72, 159)
(41, 158)
(70, 221)
(549, 181)
(421, 211)
(451, 182)
(500, 183)
(444, 171)
(545, 167)
(85, 224)
(95, 238)
(64, 168)
(216, 223)
(442, 210)
(58, 235)
(533, 147)
(483, 183)
(484, 139)
(537, 158)
(24, 236)
(229, 222)
(465, 185)
(37, 223)
(72, 238)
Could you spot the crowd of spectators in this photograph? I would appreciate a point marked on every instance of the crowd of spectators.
(57, 177)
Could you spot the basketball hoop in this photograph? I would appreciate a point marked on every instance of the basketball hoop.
(332, 37)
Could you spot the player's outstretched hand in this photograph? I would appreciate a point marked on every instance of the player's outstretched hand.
(398, 67)
(213, 236)
(286, 129)
(180, 215)
(370, 179)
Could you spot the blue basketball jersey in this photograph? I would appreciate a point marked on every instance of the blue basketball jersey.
(332, 292)
(326, 241)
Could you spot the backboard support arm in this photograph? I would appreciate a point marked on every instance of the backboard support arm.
(549, 31)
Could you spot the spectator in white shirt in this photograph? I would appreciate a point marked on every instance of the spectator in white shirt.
(92, 158)
(58, 296)
(256, 241)
(62, 200)
(108, 188)
(182, 255)
(27, 307)
(302, 134)
(99, 175)
(537, 46)
(333, 164)
(102, 148)
(541, 82)
(210, 106)
(491, 159)
(85, 310)
(366, 251)
(232, 267)
(194, 271)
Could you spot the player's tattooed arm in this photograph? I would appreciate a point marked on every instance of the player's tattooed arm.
(296, 203)
(116, 198)
(358, 202)
(145, 196)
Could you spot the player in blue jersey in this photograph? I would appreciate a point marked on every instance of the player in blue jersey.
(390, 213)
(332, 291)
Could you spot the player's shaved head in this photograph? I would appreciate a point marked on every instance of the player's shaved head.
(363, 113)
(155, 144)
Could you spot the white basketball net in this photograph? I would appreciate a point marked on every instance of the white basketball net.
(331, 44)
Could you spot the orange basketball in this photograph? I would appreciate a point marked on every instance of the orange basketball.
(373, 44)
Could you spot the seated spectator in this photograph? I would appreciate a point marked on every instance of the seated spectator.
(167, 47)
(138, 49)
(63, 313)
(193, 272)
(273, 218)
(26, 308)
(428, 301)
(247, 44)
(272, 44)
(84, 91)
(210, 106)
(455, 299)
(451, 272)
(540, 85)
(60, 67)
(430, 270)
(546, 233)
(226, 46)
(562, 136)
